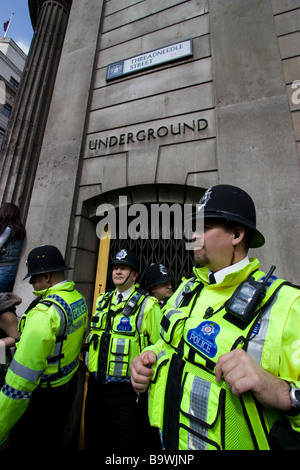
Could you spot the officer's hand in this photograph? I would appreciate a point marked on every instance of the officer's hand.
(141, 371)
(243, 374)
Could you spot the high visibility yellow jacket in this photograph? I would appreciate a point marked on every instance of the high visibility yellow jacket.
(47, 354)
(186, 403)
(116, 337)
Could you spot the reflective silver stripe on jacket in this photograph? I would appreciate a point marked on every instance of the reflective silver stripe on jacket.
(161, 354)
(186, 288)
(119, 357)
(256, 344)
(199, 396)
(59, 339)
(141, 315)
(24, 371)
(33, 375)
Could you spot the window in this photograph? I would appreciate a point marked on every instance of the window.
(14, 82)
(6, 110)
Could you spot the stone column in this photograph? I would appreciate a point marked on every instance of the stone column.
(24, 136)
(51, 216)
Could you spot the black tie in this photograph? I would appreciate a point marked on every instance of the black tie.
(120, 298)
(212, 279)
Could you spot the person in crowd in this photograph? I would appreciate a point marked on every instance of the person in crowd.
(126, 320)
(8, 330)
(225, 374)
(159, 282)
(41, 381)
(12, 234)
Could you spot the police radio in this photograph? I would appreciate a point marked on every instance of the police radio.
(131, 304)
(247, 297)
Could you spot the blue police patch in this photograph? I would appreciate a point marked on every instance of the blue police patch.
(78, 308)
(203, 338)
(124, 325)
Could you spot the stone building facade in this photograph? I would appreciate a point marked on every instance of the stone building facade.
(12, 60)
(119, 123)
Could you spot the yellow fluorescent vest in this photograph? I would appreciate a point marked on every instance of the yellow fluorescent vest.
(204, 414)
(115, 338)
(48, 350)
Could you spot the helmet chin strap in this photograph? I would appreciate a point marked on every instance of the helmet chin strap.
(126, 278)
(233, 256)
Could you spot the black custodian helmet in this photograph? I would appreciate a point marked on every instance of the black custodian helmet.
(45, 259)
(127, 257)
(232, 204)
(156, 274)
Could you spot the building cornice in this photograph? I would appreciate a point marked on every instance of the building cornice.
(14, 45)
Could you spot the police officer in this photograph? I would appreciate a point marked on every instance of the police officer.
(159, 282)
(225, 374)
(126, 320)
(41, 381)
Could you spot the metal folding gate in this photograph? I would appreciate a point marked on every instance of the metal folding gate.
(170, 252)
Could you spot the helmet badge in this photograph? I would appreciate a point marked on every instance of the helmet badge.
(163, 269)
(121, 254)
(204, 200)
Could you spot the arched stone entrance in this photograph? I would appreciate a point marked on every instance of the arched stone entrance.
(89, 261)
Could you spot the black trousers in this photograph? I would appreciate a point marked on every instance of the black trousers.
(42, 425)
(115, 422)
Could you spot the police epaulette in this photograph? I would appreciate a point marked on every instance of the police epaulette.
(141, 291)
(187, 296)
(33, 304)
(105, 300)
(165, 323)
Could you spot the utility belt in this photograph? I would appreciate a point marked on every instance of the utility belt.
(43, 387)
(111, 380)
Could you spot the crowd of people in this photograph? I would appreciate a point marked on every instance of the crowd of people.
(212, 363)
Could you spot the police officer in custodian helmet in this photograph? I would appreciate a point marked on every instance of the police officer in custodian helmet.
(225, 374)
(41, 381)
(159, 282)
(126, 320)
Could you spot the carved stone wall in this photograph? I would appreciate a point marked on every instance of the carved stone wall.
(167, 132)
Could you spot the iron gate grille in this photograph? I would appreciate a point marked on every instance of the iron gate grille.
(170, 252)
